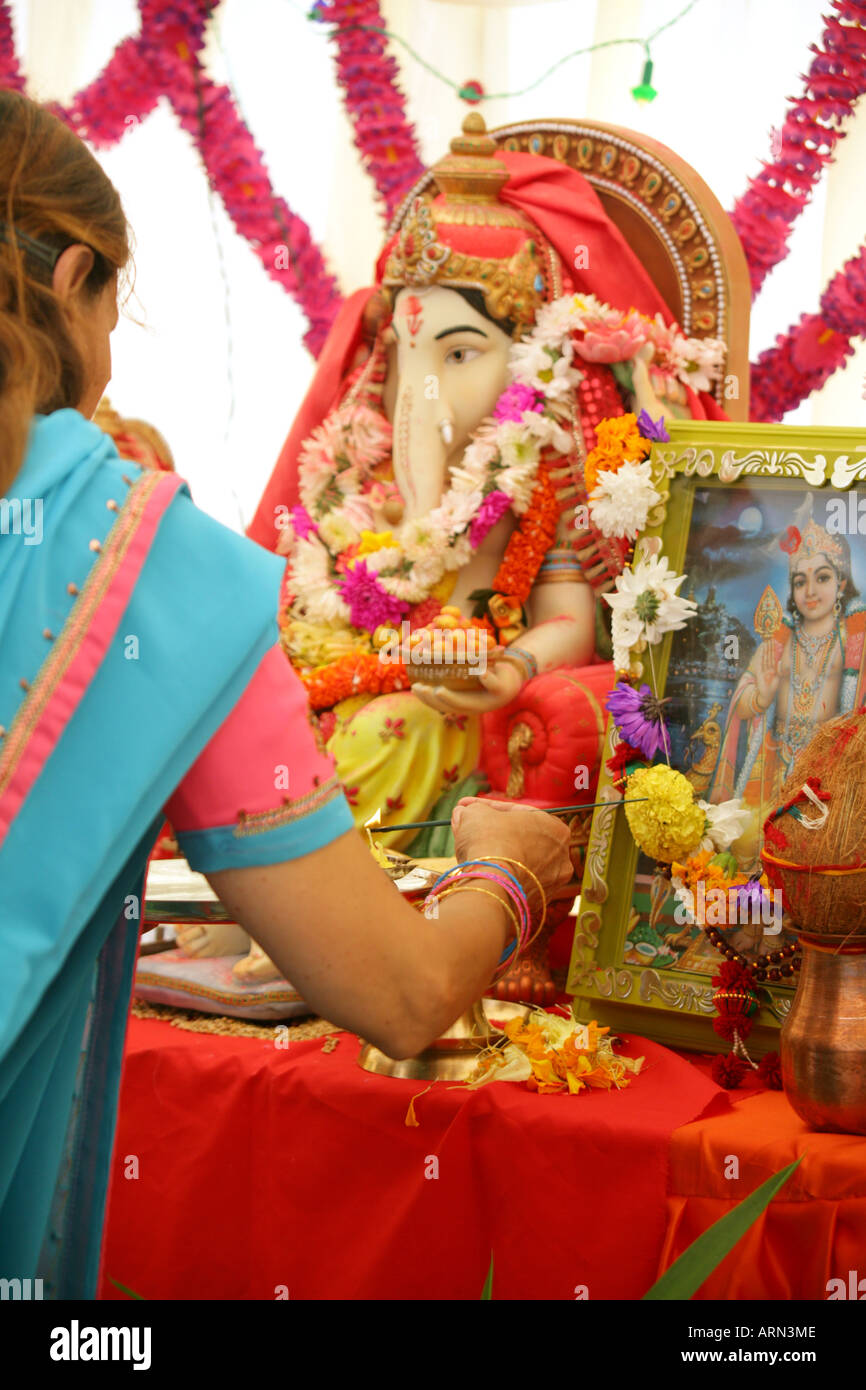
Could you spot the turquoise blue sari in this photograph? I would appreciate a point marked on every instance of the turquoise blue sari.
(130, 625)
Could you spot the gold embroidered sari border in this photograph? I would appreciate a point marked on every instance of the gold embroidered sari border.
(68, 644)
(258, 822)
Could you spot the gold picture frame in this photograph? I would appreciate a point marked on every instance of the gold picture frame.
(703, 475)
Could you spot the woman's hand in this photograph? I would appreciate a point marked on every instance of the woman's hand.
(502, 683)
(490, 829)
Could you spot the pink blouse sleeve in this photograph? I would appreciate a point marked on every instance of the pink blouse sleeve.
(265, 788)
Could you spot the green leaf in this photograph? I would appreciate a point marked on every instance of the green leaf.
(705, 1254)
(487, 1291)
(124, 1289)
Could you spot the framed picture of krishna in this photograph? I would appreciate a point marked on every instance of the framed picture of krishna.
(738, 630)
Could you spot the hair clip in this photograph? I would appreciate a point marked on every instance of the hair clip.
(49, 255)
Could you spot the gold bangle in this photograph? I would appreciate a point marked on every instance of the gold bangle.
(565, 577)
(503, 902)
(754, 702)
(501, 858)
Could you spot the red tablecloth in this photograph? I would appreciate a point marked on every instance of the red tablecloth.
(261, 1171)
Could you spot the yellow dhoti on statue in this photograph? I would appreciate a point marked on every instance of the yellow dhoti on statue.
(396, 755)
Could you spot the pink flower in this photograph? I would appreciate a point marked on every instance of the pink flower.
(491, 509)
(369, 605)
(302, 522)
(515, 399)
(370, 435)
(603, 344)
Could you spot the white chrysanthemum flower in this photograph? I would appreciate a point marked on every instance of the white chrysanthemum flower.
(622, 501)
(548, 431)
(423, 536)
(527, 359)
(646, 604)
(405, 586)
(726, 822)
(357, 510)
(477, 458)
(457, 509)
(459, 554)
(517, 483)
(337, 532)
(556, 320)
(312, 583)
(517, 448)
(385, 558)
(700, 361)
(563, 382)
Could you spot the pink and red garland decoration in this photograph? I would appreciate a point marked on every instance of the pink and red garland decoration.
(10, 75)
(163, 60)
(813, 349)
(774, 199)
(373, 99)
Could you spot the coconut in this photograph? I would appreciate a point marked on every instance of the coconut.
(815, 839)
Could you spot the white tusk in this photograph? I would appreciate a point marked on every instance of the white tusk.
(446, 429)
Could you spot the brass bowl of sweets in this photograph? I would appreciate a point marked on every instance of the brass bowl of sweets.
(451, 651)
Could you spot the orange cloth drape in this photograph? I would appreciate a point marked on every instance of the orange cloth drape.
(814, 1230)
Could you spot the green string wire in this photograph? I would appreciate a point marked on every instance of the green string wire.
(461, 89)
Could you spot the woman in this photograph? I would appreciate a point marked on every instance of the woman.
(140, 670)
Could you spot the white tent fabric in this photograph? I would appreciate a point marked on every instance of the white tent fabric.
(210, 350)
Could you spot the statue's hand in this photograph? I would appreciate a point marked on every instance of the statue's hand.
(646, 396)
(501, 682)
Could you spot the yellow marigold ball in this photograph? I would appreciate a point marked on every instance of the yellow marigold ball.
(669, 824)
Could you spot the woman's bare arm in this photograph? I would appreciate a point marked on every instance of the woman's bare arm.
(339, 930)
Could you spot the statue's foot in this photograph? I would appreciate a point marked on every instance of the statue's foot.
(256, 968)
(212, 939)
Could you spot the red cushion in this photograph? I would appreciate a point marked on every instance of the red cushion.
(565, 714)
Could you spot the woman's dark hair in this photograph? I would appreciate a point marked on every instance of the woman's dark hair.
(53, 194)
(841, 572)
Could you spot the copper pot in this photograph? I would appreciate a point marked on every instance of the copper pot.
(823, 1040)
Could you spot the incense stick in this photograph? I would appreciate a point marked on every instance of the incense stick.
(550, 811)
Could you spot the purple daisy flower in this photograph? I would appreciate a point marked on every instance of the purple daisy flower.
(515, 399)
(653, 429)
(751, 898)
(637, 715)
(491, 509)
(370, 606)
(302, 522)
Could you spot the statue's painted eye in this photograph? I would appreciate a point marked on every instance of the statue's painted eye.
(460, 355)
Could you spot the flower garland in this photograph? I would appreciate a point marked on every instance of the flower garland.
(774, 199)
(375, 105)
(346, 578)
(164, 60)
(814, 348)
(555, 1055)
(10, 73)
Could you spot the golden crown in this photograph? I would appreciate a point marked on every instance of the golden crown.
(816, 541)
(469, 181)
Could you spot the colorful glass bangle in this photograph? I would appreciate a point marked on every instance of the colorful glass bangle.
(526, 658)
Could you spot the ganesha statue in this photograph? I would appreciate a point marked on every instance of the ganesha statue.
(443, 465)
